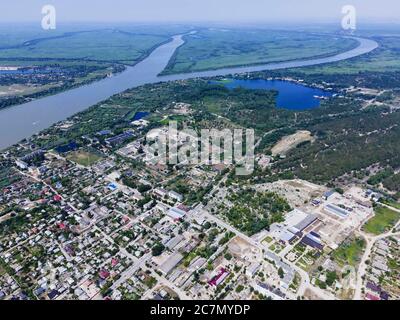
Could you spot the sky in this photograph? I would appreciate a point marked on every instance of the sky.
(257, 11)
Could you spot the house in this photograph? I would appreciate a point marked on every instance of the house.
(380, 266)
(104, 274)
(373, 287)
(183, 208)
(252, 269)
(159, 192)
(219, 278)
(328, 194)
(371, 297)
(384, 295)
(39, 291)
(176, 196)
(287, 236)
(269, 291)
(104, 133)
(21, 164)
(176, 213)
(173, 242)
(53, 294)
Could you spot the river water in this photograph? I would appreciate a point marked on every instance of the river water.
(22, 121)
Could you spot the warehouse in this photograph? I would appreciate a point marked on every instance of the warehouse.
(308, 220)
(176, 213)
(312, 241)
(331, 208)
(171, 263)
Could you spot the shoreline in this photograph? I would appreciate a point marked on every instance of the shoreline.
(247, 65)
(33, 117)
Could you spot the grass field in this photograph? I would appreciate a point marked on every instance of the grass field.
(349, 253)
(104, 45)
(386, 58)
(84, 158)
(383, 221)
(392, 204)
(213, 49)
(123, 43)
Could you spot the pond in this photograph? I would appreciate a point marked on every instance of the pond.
(291, 95)
(140, 115)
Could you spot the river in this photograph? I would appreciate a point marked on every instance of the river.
(22, 121)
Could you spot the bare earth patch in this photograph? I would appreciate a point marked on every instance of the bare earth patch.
(311, 295)
(289, 142)
(296, 192)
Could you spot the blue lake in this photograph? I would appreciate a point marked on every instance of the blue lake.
(291, 95)
(140, 115)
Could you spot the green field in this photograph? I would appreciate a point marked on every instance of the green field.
(392, 204)
(386, 58)
(383, 221)
(213, 48)
(349, 253)
(84, 158)
(103, 45)
(118, 43)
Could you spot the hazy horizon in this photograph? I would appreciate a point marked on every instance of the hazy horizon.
(196, 11)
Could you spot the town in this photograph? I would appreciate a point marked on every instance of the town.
(99, 222)
(204, 159)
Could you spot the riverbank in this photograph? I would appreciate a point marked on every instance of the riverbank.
(170, 71)
(11, 101)
(22, 121)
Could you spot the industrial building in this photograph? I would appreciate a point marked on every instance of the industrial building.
(171, 263)
(336, 210)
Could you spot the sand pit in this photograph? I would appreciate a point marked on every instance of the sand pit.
(289, 142)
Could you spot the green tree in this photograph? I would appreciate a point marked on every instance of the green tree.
(281, 273)
(157, 249)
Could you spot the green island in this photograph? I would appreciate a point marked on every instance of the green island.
(215, 48)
